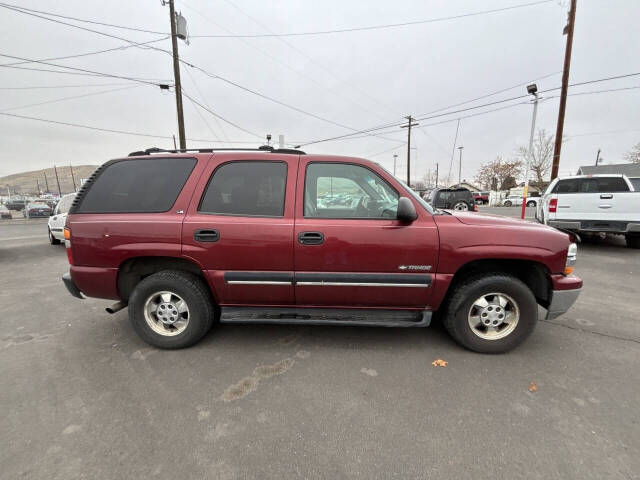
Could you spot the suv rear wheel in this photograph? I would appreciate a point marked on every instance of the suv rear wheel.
(171, 309)
(461, 206)
(633, 240)
(508, 203)
(531, 203)
(53, 240)
(491, 313)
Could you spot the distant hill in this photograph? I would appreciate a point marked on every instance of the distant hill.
(27, 183)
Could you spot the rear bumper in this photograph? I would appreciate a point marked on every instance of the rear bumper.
(561, 301)
(596, 226)
(73, 289)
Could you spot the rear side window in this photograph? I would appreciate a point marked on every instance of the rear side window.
(137, 186)
(612, 184)
(64, 204)
(566, 186)
(246, 188)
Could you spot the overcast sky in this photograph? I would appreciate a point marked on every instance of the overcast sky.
(358, 79)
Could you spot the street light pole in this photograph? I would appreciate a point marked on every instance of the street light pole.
(395, 157)
(533, 90)
(460, 167)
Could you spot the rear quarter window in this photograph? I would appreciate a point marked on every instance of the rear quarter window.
(612, 184)
(148, 185)
(636, 183)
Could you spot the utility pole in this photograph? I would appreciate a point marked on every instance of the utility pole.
(568, 30)
(437, 173)
(408, 127)
(46, 182)
(598, 157)
(532, 90)
(176, 75)
(73, 179)
(460, 167)
(57, 180)
(38, 187)
(395, 157)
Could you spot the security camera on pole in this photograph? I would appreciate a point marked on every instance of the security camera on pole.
(532, 90)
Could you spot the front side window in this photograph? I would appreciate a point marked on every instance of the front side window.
(246, 188)
(149, 185)
(340, 190)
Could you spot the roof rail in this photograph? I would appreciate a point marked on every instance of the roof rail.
(263, 148)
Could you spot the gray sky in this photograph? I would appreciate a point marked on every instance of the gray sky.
(358, 79)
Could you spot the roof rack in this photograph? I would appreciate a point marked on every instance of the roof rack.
(263, 148)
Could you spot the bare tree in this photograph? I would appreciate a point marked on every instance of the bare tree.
(495, 173)
(542, 155)
(633, 155)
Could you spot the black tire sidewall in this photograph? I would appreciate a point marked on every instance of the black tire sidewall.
(470, 292)
(199, 302)
(507, 204)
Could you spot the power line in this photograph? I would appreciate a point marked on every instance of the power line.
(86, 85)
(218, 116)
(377, 27)
(110, 130)
(77, 69)
(82, 20)
(428, 117)
(123, 47)
(69, 98)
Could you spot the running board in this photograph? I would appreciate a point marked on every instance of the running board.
(326, 316)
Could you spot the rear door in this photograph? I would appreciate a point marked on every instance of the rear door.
(606, 198)
(239, 228)
(356, 253)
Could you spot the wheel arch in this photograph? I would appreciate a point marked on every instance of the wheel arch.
(133, 270)
(533, 274)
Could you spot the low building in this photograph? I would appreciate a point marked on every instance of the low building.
(466, 185)
(631, 170)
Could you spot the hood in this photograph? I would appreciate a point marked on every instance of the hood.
(495, 220)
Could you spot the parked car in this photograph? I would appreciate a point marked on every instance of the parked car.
(4, 213)
(36, 209)
(460, 199)
(16, 204)
(515, 200)
(59, 216)
(593, 203)
(481, 198)
(189, 239)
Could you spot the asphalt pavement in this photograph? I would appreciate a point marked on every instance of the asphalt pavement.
(83, 397)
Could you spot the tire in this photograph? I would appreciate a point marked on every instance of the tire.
(531, 204)
(461, 207)
(462, 305)
(633, 241)
(53, 240)
(508, 203)
(181, 286)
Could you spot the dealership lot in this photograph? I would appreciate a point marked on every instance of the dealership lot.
(84, 397)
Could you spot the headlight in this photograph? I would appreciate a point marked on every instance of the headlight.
(572, 254)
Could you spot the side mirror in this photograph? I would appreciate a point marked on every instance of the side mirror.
(406, 210)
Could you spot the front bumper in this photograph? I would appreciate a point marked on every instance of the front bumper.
(73, 289)
(561, 301)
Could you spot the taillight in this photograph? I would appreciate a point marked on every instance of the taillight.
(67, 244)
(553, 205)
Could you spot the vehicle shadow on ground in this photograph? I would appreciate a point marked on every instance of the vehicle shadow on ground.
(597, 242)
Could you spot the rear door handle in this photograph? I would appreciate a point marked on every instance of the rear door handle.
(206, 235)
(606, 196)
(310, 238)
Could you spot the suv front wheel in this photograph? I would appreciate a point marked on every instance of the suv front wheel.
(171, 309)
(491, 313)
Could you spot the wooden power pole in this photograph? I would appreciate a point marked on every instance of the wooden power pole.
(57, 180)
(408, 126)
(563, 93)
(176, 75)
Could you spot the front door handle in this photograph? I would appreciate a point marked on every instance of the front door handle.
(310, 238)
(606, 196)
(206, 235)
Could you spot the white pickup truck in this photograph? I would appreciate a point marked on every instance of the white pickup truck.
(593, 203)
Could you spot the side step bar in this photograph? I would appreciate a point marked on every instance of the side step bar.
(326, 316)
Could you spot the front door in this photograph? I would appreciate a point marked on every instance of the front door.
(350, 250)
(239, 228)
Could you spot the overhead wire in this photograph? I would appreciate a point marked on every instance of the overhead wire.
(378, 27)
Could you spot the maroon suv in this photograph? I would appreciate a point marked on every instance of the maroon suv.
(193, 238)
